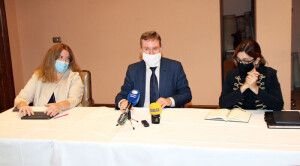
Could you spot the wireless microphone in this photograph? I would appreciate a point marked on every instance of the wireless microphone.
(132, 98)
(155, 111)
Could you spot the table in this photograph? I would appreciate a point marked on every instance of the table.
(89, 136)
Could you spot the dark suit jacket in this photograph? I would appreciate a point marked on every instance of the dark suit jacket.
(172, 82)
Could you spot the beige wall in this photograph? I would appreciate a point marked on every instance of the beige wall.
(104, 36)
(273, 33)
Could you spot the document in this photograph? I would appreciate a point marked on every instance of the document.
(234, 115)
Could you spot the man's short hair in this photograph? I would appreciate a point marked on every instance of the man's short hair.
(150, 35)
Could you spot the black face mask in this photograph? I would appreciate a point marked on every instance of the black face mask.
(245, 68)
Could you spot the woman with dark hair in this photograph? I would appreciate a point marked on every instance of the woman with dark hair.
(55, 84)
(251, 86)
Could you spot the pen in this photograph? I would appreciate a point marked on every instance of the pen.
(61, 116)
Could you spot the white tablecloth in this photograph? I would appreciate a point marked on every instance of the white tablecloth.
(89, 136)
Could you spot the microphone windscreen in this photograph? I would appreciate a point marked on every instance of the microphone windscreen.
(133, 97)
(155, 109)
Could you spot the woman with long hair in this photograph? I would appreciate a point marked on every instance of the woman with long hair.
(55, 84)
(253, 85)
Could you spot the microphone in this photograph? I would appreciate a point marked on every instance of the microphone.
(155, 111)
(132, 98)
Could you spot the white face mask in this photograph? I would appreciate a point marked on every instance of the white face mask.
(152, 60)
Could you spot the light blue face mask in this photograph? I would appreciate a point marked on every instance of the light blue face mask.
(61, 66)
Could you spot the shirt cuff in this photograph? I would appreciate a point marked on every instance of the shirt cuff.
(172, 101)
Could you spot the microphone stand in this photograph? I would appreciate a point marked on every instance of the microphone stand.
(124, 116)
(129, 118)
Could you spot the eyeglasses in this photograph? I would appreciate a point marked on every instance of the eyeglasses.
(244, 61)
(151, 50)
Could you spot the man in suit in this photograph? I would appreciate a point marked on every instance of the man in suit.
(158, 79)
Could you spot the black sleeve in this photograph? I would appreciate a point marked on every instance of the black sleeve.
(272, 97)
(229, 97)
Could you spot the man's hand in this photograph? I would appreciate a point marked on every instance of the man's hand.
(164, 102)
(123, 105)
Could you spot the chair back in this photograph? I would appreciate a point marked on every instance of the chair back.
(87, 99)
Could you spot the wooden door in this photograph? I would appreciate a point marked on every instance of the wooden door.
(7, 88)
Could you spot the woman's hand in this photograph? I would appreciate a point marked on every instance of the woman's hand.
(24, 109)
(244, 87)
(53, 109)
(251, 80)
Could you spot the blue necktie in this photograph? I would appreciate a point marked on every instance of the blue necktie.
(153, 87)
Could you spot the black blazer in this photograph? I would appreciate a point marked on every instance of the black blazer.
(269, 95)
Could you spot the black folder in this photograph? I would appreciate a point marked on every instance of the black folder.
(269, 118)
(37, 116)
(286, 117)
(15, 109)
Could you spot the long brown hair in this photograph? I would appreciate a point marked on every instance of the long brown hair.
(46, 71)
(250, 47)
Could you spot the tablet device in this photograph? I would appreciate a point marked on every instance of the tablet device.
(37, 115)
(286, 117)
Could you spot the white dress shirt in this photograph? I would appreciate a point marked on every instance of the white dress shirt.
(147, 88)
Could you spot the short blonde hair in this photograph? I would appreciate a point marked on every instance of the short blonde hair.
(150, 35)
